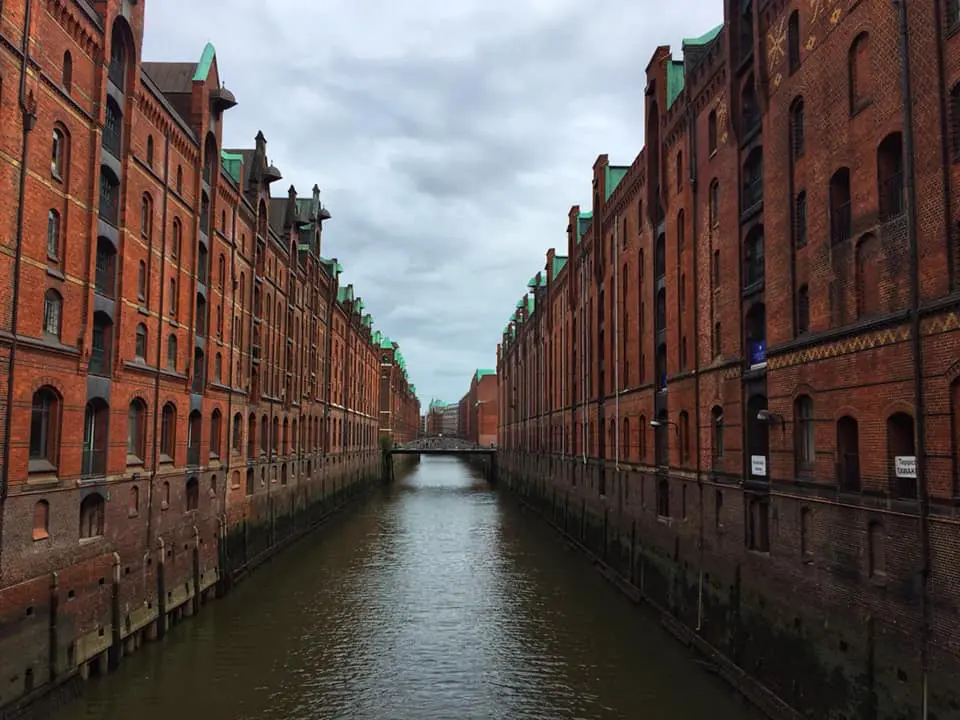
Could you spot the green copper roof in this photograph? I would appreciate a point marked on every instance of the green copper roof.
(674, 81)
(536, 281)
(376, 337)
(368, 320)
(206, 60)
(706, 38)
(385, 343)
(333, 267)
(519, 303)
(559, 261)
(345, 294)
(615, 173)
(232, 162)
(484, 373)
(531, 302)
(583, 222)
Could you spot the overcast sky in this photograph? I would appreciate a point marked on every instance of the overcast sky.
(449, 138)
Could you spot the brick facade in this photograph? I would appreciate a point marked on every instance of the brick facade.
(185, 380)
(478, 409)
(711, 385)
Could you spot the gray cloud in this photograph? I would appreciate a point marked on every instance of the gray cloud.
(449, 139)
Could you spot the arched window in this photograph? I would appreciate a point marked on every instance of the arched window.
(174, 299)
(753, 178)
(684, 432)
(194, 437)
(215, 430)
(712, 132)
(176, 238)
(793, 42)
(218, 366)
(67, 76)
(44, 430)
(112, 138)
(91, 516)
(840, 212)
(804, 443)
(150, 150)
(890, 176)
(134, 500)
(146, 217)
(140, 346)
(221, 271)
(142, 281)
(803, 310)
(172, 352)
(901, 454)
(52, 312)
(58, 152)
(716, 417)
(800, 220)
(53, 235)
(679, 170)
(96, 421)
(179, 179)
(109, 208)
(137, 432)
(848, 454)
(168, 432)
(714, 203)
(796, 128)
(753, 255)
(41, 520)
(264, 435)
(193, 494)
(237, 432)
(859, 70)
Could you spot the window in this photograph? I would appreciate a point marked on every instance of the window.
(168, 431)
(712, 132)
(804, 453)
(41, 520)
(714, 203)
(758, 538)
(150, 150)
(953, 13)
(142, 281)
(900, 444)
(793, 42)
(840, 213)
(749, 108)
(800, 220)
(172, 352)
(716, 269)
(173, 297)
(796, 128)
(134, 500)
(681, 234)
(716, 415)
(679, 170)
(803, 310)
(237, 432)
(753, 179)
(67, 76)
(44, 430)
(193, 494)
(101, 345)
(218, 368)
(859, 71)
(146, 217)
(215, 431)
(112, 137)
(175, 241)
(890, 177)
(53, 235)
(221, 271)
(179, 180)
(848, 454)
(753, 256)
(57, 153)
(663, 498)
(683, 430)
(137, 431)
(109, 208)
(52, 309)
(91, 516)
(96, 419)
(141, 342)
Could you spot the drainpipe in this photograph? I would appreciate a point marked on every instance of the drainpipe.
(29, 119)
(155, 460)
(695, 219)
(915, 343)
(616, 342)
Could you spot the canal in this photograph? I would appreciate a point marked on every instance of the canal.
(437, 599)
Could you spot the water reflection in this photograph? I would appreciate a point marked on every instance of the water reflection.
(438, 599)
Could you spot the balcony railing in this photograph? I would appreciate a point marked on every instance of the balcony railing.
(891, 197)
(840, 223)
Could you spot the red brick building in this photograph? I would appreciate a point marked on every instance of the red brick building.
(478, 409)
(399, 407)
(740, 381)
(185, 380)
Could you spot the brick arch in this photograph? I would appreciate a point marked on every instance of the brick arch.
(803, 388)
(844, 410)
(952, 373)
(45, 381)
(901, 406)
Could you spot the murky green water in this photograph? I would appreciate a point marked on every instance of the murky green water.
(439, 599)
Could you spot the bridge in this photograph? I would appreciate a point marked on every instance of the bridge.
(440, 445)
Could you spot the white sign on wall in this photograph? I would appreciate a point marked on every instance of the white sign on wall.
(758, 465)
(905, 466)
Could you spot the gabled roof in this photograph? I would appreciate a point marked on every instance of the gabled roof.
(614, 174)
(171, 77)
(559, 261)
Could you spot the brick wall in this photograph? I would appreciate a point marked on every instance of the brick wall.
(812, 373)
